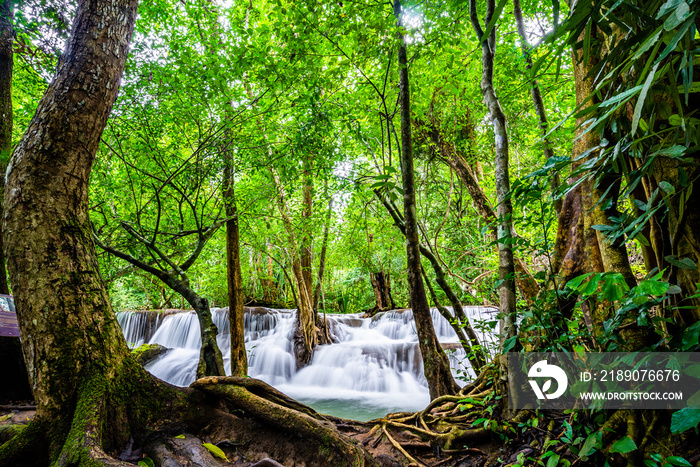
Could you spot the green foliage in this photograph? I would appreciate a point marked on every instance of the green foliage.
(215, 450)
(685, 419)
(623, 445)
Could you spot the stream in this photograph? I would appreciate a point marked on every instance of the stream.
(374, 368)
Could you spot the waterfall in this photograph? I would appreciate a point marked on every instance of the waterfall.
(374, 366)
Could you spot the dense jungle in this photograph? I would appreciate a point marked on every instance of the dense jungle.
(338, 161)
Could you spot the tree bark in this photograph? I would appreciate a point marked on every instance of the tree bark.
(306, 320)
(70, 336)
(435, 363)
(239, 359)
(322, 260)
(506, 268)
(6, 65)
(381, 285)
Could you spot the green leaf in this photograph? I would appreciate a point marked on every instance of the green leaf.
(676, 39)
(509, 343)
(685, 263)
(591, 445)
(675, 120)
(691, 336)
(652, 287)
(215, 450)
(180, 436)
(146, 462)
(553, 460)
(494, 19)
(576, 281)
(667, 187)
(642, 97)
(623, 445)
(667, 7)
(678, 460)
(677, 17)
(684, 419)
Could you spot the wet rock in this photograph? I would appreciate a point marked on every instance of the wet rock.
(148, 352)
(267, 462)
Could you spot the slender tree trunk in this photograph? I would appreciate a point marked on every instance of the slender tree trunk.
(306, 320)
(6, 64)
(435, 363)
(506, 268)
(211, 361)
(306, 252)
(322, 261)
(239, 359)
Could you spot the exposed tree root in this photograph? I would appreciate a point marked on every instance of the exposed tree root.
(254, 424)
(307, 424)
(247, 419)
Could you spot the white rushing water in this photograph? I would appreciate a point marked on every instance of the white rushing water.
(374, 368)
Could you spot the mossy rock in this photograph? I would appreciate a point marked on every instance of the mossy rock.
(145, 353)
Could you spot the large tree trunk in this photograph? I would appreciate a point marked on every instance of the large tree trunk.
(239, 359)
(70, 337)
(92, 396)
(435, 363)
(6, 64)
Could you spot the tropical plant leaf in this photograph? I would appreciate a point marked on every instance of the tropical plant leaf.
(215, 450)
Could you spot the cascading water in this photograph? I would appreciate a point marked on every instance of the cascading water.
(373, 369)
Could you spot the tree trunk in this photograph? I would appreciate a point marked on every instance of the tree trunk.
(506, 268)
(305, 340)
(71, 340)
(322, 261)
(6, 64)
(306, 251)
(381, 285)
(239, 359)
(92, 396)
(435, 363)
